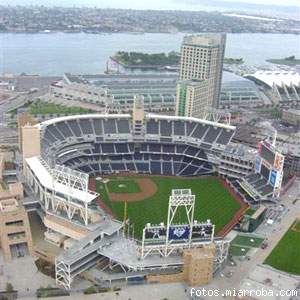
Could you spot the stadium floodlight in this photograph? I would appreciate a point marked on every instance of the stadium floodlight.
(179, 198)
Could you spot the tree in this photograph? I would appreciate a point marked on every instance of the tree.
(9, 287)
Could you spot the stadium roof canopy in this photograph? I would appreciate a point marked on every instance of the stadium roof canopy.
(279, 78)
(46, 179)
(86, 116)
(128, 116)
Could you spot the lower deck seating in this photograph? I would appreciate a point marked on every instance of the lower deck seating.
(159, 159)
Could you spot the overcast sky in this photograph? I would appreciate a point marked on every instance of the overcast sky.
(140, 4)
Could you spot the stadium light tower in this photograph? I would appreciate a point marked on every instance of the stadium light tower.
(179, 198)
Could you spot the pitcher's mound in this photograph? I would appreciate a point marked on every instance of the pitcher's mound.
(147, 186)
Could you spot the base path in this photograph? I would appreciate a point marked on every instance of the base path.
(147, 186)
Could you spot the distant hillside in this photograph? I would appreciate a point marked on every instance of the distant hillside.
(248, 7)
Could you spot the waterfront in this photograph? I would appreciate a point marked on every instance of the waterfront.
(56, 53)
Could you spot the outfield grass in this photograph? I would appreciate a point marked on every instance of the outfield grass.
(213, 202)
(238, 251)
(286, 255)
(123, 186)
(247, 241)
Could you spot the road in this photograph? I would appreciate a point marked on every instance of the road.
(8, 136)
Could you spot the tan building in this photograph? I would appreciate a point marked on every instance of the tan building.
(192, 97)
(23, 119)
(5, 157)
(30, 141)
(201, 59)
(15, 234)
(138, 115)
(197, 267)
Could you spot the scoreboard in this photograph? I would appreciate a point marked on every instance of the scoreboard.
(269, 163)
(158, 234)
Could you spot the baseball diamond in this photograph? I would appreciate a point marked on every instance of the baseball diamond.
(150, 205)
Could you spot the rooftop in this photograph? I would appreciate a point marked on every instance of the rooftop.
(122, 250)
(46, 179)
(86, 116)
(128, 116)
(278, 78)
(240, 151)
(192, 119)
(74, 79)
(207, 39)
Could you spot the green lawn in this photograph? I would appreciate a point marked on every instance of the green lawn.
(46, 108)
(116, 185)
(238, 251)
(247, 241)
(286, 255)
(213, 202)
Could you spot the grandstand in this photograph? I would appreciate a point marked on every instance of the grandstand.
(264, 184)
(105, 144)
(60, 155)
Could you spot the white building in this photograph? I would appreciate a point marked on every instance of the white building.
(284, 86)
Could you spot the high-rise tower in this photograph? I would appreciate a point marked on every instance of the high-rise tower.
(201, 71)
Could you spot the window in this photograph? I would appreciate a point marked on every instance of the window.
(16, 235)
(15, 223)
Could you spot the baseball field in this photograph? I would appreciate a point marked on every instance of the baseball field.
(286, 254)
(147, 199)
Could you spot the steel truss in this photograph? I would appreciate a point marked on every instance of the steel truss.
(73, 179)
(52, 201)
(164, 245)
(216, 115)
(179, 198)
(63, 274)
(222, 249)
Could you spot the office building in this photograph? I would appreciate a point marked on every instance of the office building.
(202, 61)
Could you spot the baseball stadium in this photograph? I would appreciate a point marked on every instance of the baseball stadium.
(135, 193)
